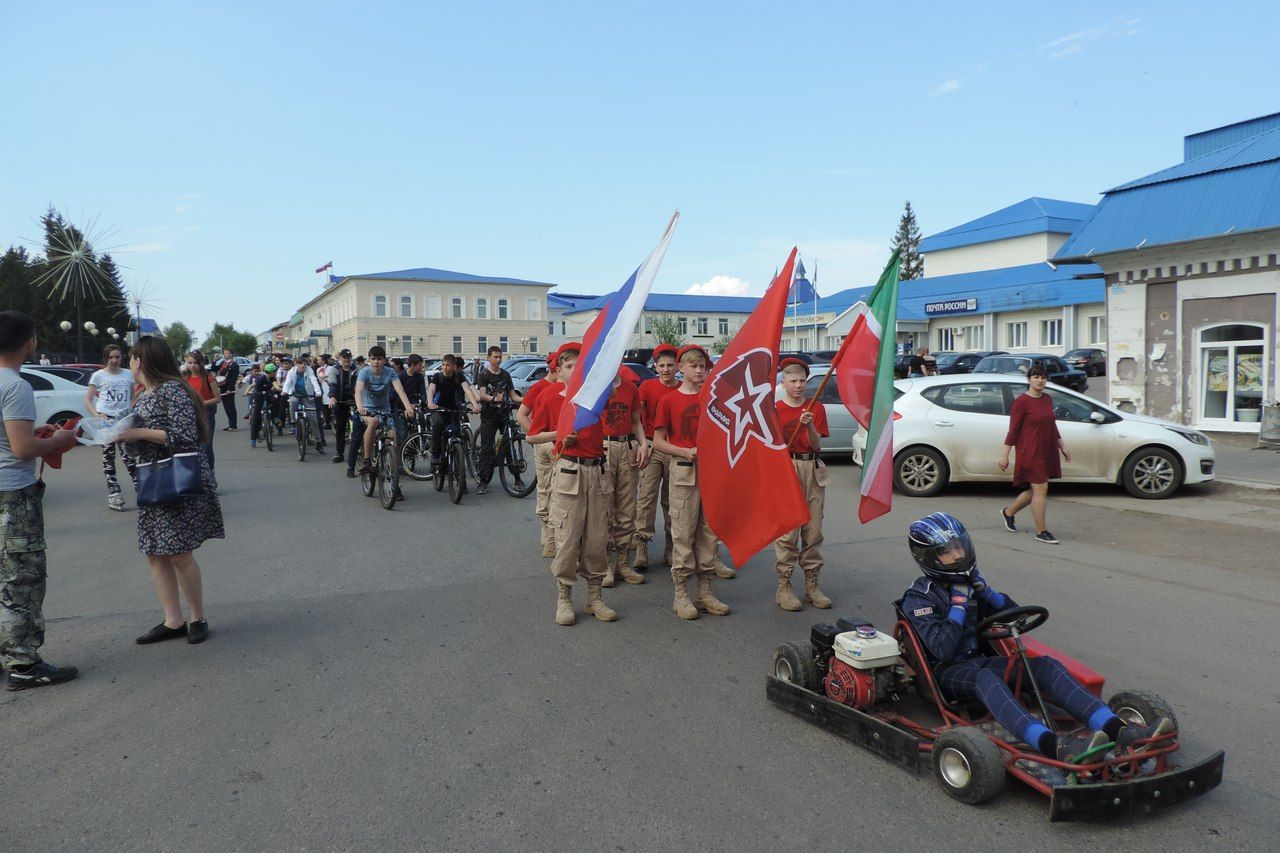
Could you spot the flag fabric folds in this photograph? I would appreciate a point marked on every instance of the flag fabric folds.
(864, 375)
(327, 266)
(606, 341)
(750, 492)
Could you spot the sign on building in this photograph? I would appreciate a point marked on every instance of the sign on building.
(951, 306)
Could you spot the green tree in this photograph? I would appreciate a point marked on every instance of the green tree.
(907, 241)
(720, 344)
(179, 336)
(665, 330)
(225, 335)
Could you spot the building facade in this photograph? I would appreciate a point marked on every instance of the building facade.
(1190, 255)
(698, 319)
(426, 311)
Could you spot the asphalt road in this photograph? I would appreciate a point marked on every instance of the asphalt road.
(381, 680)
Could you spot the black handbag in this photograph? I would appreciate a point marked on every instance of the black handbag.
(169, 480)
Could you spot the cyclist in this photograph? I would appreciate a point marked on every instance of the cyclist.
(259, 388)
(447, 394)
(374, 385)
(341, 382)
(303, 387)
(494, 388)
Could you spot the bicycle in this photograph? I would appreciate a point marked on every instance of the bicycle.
(509, 457)
(383, 475)
(266, 420)
(415, 455)
(301, 427)
(452, 467)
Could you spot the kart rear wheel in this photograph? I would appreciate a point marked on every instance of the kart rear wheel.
(1142, 707)
(968, 766)
(794, 662)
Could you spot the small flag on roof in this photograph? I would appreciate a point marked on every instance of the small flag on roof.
(327, 266)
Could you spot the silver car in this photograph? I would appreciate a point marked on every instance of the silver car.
(842, 425)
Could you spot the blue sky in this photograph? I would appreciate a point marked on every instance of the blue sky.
(234, 147)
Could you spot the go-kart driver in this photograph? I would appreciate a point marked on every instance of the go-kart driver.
(946, 605)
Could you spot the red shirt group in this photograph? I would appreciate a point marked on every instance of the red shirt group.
(789, 420)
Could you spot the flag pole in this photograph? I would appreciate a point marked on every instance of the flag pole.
(822, 386)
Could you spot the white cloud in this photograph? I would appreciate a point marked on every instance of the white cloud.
(720, 285)
(1073, 43)
(144, 248)
(946, 87)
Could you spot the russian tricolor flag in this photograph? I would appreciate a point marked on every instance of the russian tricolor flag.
(606, 341)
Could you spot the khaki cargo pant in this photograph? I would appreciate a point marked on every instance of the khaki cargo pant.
(654, 488)
(581, 498)
(22, 575)
(801, 545)
(620, 460)
(542, 468)
(693, 545)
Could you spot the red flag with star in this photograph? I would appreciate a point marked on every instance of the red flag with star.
(750, 492)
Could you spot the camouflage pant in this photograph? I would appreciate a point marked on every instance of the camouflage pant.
(22, 576)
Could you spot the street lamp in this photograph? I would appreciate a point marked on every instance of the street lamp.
(111, 331)
(65, 325)
(89, 326)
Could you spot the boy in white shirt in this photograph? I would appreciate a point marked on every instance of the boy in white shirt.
(110, 396)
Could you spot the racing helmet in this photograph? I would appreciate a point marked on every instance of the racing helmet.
(935, 534)
(270, 367)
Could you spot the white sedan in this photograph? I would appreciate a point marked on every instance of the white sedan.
(950, 429)
(57, 399)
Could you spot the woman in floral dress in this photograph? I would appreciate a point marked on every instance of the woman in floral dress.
(172, 421)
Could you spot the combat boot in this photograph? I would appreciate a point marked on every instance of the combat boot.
(812, 594)
(629, 574)
(682, 605)
(785, 597)
(641, 561)
(611, 561)
(666, 554)
(595, 604)
(564, 604)
(706, 600)
(722, 571)
(549, 545)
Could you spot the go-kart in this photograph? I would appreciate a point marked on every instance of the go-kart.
(855, 681)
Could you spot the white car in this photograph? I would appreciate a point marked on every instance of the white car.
(57, 399)
(950, 429)
(841, 424)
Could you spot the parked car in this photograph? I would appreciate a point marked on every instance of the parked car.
(1059, 372)
(950, 429)
(824, 356)
(526, 373)
(1092, 361)
(841, 424)
(78, 375)
(639, 370)
(902, 365)
(57, 398)
(511, 362)
(963, 362)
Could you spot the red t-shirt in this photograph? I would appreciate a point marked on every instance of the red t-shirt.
(679, 413)
(789, 420)
(535, 391)
(651, 393)
(616, 416)
(546, 418)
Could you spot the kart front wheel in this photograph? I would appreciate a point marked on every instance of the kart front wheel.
(794, 662)
(1141, 707)
(968, 766)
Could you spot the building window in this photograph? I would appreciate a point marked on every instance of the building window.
(648, 327)
(406, 345)
(381, 340)
(504, 309)
(1050, 333)
(701, 326)
(533, 344)
(482, 344)
(1015, 335)
(502, 343)
(724, 325)
(637, 327)
(482, 308)
(974, 337)
(531, 309)
(785, 346)
(551, 328)
(406, 306)
(1098, 330)
(433, 306)
(562, 328)
(683, 325)
(455, 308)
(457, 344)
(379, 306)
(946, 339)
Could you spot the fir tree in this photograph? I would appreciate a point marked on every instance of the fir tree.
(907, 241)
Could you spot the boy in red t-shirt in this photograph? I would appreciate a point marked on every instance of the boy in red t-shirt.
(654, 483)
(676, 434)
(626, 451)
(581, 496)
(803, 431)
(541, 452)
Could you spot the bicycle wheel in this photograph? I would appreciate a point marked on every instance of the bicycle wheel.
(457, 472)
(369, 479)
(517, 476)
(269, 431)
(386, 476)
(415, 457)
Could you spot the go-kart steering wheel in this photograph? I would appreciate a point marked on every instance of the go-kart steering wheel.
(998, 625)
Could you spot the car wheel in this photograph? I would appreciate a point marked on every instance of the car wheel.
(1152, 473)
(919, 472)
(794, 662)
(968, 766)
(1142, 707)
(62, 417)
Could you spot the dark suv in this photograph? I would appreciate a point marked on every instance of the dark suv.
(1091, 360)
(963, 362)
(1059, 372)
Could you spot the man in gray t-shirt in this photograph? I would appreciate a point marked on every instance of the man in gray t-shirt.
(22, 563)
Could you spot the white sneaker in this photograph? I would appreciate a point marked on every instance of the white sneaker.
(115, 502)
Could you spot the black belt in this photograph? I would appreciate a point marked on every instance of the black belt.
(626, 438)
(804, 456)
(684, 463)
(583, 460)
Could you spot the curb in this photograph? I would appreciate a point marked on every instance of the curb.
(1248, 484)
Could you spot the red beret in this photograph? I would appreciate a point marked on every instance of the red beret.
(551, 359)
(572, 346)
(665, 349)
(798, 362)
(688, 348)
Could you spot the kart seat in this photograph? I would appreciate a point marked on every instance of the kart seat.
(918, 659)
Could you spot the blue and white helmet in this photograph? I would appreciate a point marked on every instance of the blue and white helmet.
(936, 533)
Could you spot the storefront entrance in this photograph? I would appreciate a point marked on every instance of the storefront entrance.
(1232, 376)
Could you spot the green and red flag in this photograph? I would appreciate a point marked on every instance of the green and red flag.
(864, 375)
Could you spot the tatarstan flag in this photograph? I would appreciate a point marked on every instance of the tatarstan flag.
(864, 374)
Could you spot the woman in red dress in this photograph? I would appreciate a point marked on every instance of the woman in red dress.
(1034, 432)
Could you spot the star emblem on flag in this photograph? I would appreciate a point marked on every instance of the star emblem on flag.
(741, 402)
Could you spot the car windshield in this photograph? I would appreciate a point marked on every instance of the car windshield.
(1078, 353)
(948, 360)
(1003, 364)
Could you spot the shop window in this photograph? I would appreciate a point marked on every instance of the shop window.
(1015, 335)
(724, 325)
(482, 308)
(946, 339)
(504, 309)
(1050, 333)
(1232, 372)
(379, 306)
(1098, 330)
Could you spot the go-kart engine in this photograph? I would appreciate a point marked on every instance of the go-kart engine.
(861, 688)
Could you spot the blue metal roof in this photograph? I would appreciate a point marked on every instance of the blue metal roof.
(570, 300)
(1031, 216)
(1220, 137)
(685, 302)
(447, 276)
(1006, 289)
(1230, 191)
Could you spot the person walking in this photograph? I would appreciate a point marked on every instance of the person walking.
(1033, 431)
(206, 388)
(168, 535)
(228, 373)
(109, 397)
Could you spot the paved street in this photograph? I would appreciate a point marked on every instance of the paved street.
(381, 680)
